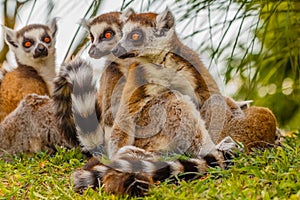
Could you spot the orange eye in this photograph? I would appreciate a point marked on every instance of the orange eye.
(135, 36)
(108, 35)
(27, 44)
(47, 39)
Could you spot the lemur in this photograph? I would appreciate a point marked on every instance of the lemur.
(157, 110)
(151, 40)
(31, 126)
(34, 50)
(105, 32)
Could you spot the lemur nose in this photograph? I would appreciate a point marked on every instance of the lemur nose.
(41, 48)
(119, 51)
(40, 51)
(94, 52)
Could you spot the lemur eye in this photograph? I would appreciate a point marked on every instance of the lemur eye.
(47, 39)
(135, 36)
(27, 44)
(92, 38)
(107, 35)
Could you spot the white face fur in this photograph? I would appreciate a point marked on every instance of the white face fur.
(103, 37)
(32, 44)
(139, 40)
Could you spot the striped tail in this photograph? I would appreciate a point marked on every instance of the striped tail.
(135, 176)
(75, 97)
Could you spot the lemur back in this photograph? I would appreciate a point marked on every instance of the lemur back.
(34, 49)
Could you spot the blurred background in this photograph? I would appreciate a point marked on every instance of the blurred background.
(251, 47)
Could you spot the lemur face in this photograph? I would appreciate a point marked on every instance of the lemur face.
(145, 34)
(32, 43)
(105, 32)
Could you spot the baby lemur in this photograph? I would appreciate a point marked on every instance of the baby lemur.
(34, 50)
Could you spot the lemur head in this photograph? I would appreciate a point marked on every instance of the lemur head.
(33, 43)
(105, 32)
(145, 34)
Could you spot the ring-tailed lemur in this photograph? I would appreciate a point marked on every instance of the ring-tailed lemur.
(34, 50)
(105, 32)
(152, 39)
(29, 125)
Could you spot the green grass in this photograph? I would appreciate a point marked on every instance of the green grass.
(270, 174)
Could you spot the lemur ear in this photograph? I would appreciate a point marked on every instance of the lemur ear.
(53, 25)
(126, 14)
(85, 23)
(165, 20)
(10, 36)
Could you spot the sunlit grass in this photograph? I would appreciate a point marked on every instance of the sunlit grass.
(270, 174)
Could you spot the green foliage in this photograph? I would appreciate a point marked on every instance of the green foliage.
(271, 75)
(259, 42)
(270, 174)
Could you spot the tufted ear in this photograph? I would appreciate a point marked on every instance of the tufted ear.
(85, 23)
(10, 36)
(165, 20)
(125, 15)
(53, 25)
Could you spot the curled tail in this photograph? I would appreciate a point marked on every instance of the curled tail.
(133, 174)
(75, 98)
